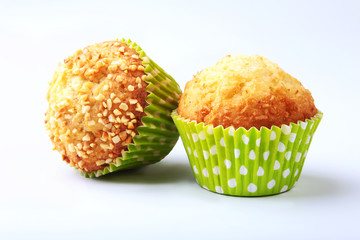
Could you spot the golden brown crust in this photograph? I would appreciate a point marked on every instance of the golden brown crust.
(96, 100)
(246, 91)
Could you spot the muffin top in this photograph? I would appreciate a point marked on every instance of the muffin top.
(245, 91)
(96, 102)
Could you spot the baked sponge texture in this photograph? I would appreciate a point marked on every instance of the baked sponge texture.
(245, 91)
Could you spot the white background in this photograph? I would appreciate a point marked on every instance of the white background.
(43, 198)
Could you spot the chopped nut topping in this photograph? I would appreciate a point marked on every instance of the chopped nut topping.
(131, 125)
(131, 88)
(71, 147)
(124, 119)
(85, 109)
(117, 112)
(132, 67)
(116, 139)
(86, 138)
(116, 100)
(112, 118)
(123, 136)
(79, 146)
(133, 101)
(99, 97)
(139, 108)
(109, 104)
(100, 162)
(141, 68)
(91, 123)
(81, 164)
(124, 106)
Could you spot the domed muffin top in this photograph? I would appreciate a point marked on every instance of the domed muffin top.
(246, 91)
(96, 101)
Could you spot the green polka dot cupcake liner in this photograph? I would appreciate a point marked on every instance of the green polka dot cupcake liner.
(158, 134)
(242, 162)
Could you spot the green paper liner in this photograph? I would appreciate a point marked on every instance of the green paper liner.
(246, 162)
(158, 135)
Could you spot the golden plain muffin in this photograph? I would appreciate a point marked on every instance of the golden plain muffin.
(246, 126)
(246, 91)
(97, 100)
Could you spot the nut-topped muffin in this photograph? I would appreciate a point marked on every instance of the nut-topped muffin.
(96, 102)
(246, 91)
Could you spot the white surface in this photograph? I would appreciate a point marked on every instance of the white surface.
(43, 198)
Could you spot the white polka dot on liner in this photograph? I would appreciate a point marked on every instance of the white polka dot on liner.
(237, 153)
(210, 130)
(252, 188)
(213, 150)
(286, 129)
(231, 131)
(303, 125)
(292, 137)
(276, 165)
(266, 155)
(227, 163)
(273, 135)
(195, 137)
(205, 187)
(216, 170)
(252, 155)
(195, 153)
(286, 173)
(296, 172)
(243, 170)
(271, 184)
(288, 155)
(189, 150)
(222, 142)
(202, 135)
(308, 140)
(206, 155)
(232, 183)
(205, 172)
(219, 189)
(260, 172)
(284, 188)
(298, 157)
(281, 147)
(258, 142)
(195, 170)
(245, 139)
